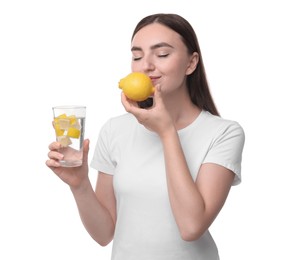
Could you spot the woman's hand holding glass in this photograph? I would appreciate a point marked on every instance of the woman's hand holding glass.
(75, 177)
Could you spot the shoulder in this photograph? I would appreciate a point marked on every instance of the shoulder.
(119, 125)
(226, 144)
(221, 125)
(120, 121)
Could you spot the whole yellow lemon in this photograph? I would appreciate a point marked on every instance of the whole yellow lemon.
(137, 86)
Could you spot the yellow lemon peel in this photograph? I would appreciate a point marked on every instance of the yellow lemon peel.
(137, 86)
(73, 132)
(66, 127)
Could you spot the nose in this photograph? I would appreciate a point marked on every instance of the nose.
(147, 64)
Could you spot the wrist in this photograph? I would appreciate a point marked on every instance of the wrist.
(81, 188)
(168, 132)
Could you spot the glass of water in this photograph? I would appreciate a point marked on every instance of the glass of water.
(69, 125)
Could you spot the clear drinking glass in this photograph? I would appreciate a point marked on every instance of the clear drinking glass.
(69, 125)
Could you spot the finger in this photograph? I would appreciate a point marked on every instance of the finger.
(54, 155)
(54, 146)
(124, 100)
(86, 148)
(157, 87)
(129, 105)
(157, 94)
(52, 164)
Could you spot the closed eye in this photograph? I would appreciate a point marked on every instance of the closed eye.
(136, 58)
(163, 55)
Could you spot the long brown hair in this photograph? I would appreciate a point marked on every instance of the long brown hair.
(197, 82)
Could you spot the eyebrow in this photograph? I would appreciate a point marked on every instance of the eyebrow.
(155, 46)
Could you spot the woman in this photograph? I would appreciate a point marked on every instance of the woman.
(165, 171)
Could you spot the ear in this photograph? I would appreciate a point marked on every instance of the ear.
(193, 63)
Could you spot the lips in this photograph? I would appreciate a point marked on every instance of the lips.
(154, 79)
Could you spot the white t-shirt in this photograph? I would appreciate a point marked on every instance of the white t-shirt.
(145, 228)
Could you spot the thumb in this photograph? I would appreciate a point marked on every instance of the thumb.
(86, 147)
(158, 94)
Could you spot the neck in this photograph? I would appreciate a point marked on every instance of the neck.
(182, 110)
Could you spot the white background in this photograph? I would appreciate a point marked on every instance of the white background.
(74, 52)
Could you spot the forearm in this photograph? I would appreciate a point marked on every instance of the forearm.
(95, 218)
(186, 201)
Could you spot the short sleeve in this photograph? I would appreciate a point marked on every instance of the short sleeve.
(226, 149)
(101, 160)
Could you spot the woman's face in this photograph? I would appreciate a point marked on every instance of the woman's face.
(160, 53)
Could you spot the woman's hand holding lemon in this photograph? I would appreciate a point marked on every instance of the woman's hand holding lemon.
(156, 118)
